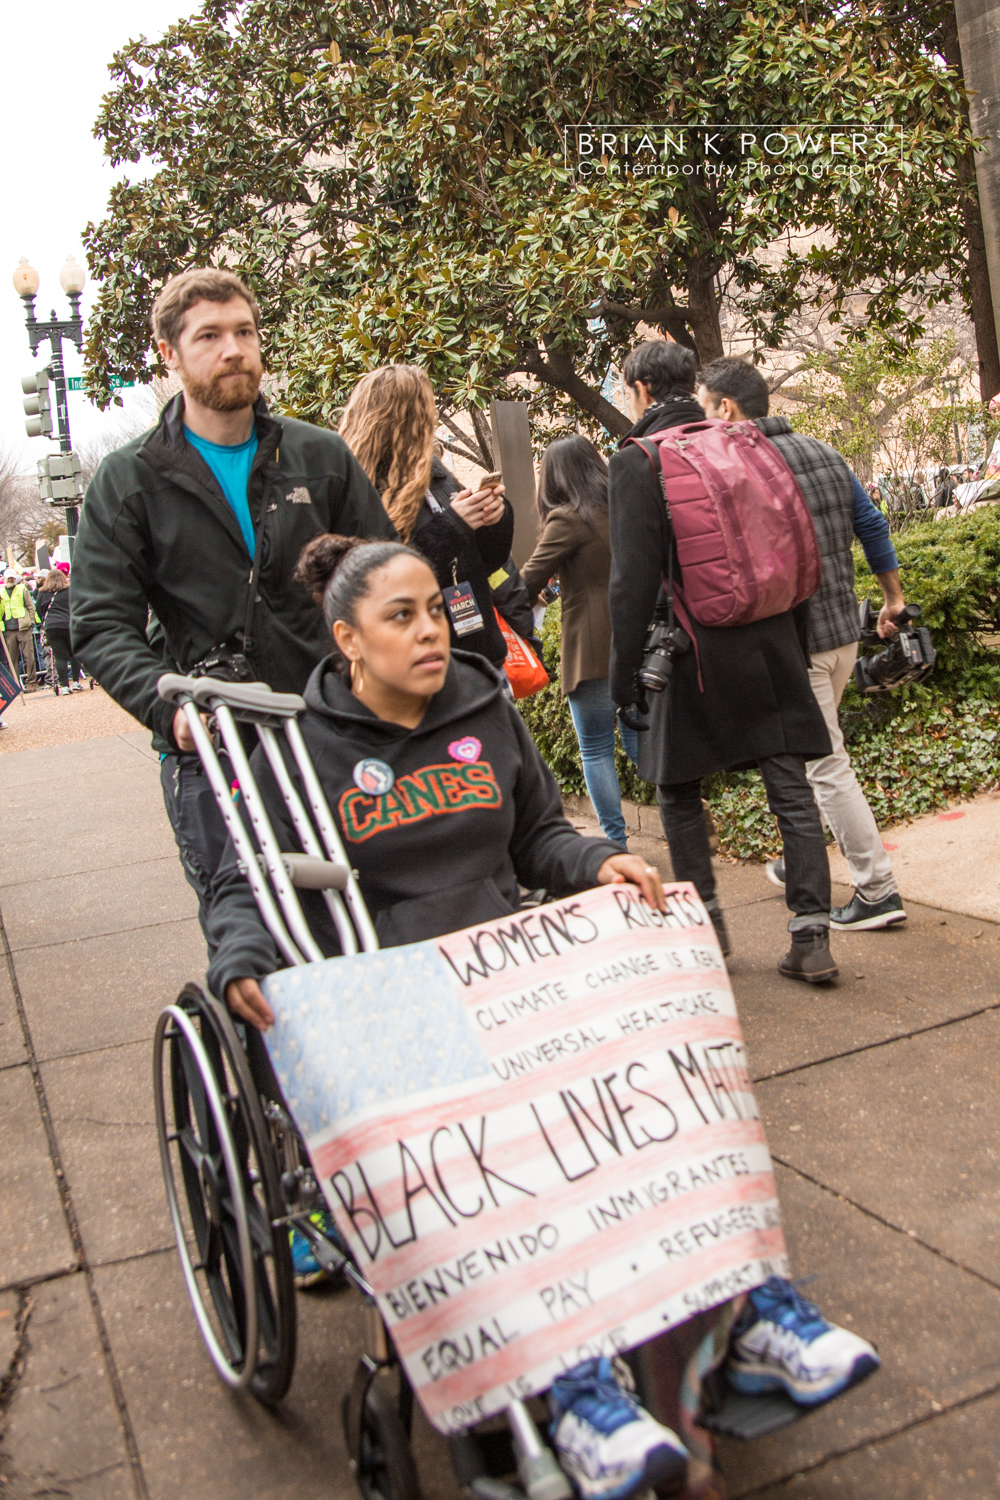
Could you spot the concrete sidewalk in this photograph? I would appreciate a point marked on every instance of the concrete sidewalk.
(946, 858)
(879, 1097)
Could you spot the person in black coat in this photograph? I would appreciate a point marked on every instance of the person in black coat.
(739, 698)
(461, 551)
(466, 536)
(53, 605)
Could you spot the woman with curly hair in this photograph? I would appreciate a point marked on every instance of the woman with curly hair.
(466, 535)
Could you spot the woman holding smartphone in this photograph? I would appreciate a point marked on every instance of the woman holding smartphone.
(466, 535)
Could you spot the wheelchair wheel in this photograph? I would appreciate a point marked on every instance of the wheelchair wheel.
(224, 1196)
(378, 1444)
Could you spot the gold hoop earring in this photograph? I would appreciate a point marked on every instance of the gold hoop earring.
(358, 685)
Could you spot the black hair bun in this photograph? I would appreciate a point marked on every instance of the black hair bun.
(320, 559)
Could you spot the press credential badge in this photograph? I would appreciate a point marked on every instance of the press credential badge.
(462, 607)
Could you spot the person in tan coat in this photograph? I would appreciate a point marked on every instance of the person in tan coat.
(573, 505)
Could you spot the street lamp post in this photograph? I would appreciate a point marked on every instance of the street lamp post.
(72, 278)
(951, 385)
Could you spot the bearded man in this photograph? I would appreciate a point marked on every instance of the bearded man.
(190, 535)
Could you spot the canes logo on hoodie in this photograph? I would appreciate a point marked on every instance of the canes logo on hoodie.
(432, 792)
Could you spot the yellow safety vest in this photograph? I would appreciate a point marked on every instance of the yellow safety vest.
(13, 603)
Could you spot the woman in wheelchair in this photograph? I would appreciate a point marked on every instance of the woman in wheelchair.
(448, 812)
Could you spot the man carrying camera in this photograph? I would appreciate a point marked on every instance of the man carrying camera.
(190, 535)
(738, 697)
(735, 391)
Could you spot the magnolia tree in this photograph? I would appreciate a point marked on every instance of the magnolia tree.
(399, 181)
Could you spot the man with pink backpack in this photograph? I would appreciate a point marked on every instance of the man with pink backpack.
(712, 540)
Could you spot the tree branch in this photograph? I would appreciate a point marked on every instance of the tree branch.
(672, 318)
(558, 371)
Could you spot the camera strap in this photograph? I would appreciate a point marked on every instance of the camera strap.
(675, 604)
(258, 553)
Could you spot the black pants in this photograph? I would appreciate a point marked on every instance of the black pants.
(790, 798)
(65, 670)
(197, 823)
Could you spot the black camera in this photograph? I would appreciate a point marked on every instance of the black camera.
(665, 641)
(225, 664)
(908, 657)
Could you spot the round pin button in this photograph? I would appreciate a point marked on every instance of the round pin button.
(374, 777)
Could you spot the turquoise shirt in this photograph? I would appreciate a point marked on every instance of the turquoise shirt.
(231, 467)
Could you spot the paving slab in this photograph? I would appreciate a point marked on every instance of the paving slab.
(93, 842)
(61, 1434)
(119, 899)
(911, 1131)
(933, 1324)
(934, 968)
(956, 1456)
(24, 768)
(102, 1111)
(103, 991)
(930, 970)
(142, 741)
(946, 859)
(34, 1240)
(12, 1053)
(195, 1437)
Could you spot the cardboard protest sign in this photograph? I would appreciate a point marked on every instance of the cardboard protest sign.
(539, 1137)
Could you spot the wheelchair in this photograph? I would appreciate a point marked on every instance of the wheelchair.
(236, 1171)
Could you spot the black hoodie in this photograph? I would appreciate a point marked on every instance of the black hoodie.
(473, 814)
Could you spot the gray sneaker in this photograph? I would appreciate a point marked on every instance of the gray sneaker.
(775, 872)
(860, 915)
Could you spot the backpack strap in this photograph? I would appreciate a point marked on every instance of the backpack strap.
(675, 599)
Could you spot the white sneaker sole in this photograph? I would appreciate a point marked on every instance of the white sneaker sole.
(871, 924)
(769, 872)
(758, 1379)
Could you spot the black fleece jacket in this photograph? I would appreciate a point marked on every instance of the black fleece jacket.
(473, 813)
(157, 533)
(460, 554)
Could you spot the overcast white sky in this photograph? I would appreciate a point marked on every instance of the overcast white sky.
(54, 175)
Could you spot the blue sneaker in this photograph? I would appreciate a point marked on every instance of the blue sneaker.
(783, 1342)
(306, 1267)
(607, 1443)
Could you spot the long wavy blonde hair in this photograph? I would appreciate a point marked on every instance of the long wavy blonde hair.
(388, 424)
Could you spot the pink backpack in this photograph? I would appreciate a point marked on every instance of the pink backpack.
(746, 543)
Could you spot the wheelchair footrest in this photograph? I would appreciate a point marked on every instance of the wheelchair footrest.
(749, 1417)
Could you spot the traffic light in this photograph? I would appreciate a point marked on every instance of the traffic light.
(37, 404)
(60, 479)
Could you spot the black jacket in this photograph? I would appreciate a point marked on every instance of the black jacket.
(473, 812)
(458, 553)
(55, 614)
(754, 699)
(510, 597)
(158, 534)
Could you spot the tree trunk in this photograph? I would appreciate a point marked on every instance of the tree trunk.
(980, 293)
(703, 313)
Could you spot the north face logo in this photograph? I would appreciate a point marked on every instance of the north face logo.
(299, 496)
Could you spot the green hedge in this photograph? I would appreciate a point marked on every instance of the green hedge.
(913, 749)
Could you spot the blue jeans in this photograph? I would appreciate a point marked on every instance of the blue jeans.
(594, 721)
